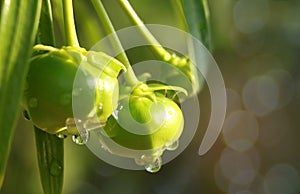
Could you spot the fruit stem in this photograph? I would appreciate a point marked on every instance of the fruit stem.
(155, 45)
(70, 30)
(129, 75)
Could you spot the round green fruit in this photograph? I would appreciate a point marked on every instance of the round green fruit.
(144, 123)
(49, 88)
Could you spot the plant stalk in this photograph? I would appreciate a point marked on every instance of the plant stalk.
(70, 30)
(155, 45)
(129, 75)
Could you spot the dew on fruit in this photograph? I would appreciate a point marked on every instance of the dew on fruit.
(154, 166)
(61, 136)
(152, 163)
(78, 140)
(33, 103)
(84, 134)
(172, 145)
(115, 114)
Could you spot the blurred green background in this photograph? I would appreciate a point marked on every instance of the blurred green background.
(256, 45)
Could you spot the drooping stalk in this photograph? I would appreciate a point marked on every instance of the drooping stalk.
(70, 30)
(129, 75)
(155, 45)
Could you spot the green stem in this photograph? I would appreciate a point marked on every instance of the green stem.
(156, 46)
(70, 29)
(129, 75)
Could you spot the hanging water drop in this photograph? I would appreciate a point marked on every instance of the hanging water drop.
(78, 140)
(154, 166)
(144, 159)
(173, 145)
(61, 136)
(84, 134)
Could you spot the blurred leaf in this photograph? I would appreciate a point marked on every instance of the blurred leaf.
(50, 152)
(88, 27)
(19, 22)
(50, 149)
(45, 34)
(198, 20)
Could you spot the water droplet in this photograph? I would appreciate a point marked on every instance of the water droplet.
(115, 114)
(84, 134)
(55, 168)
(172, 145)
(154, 166)
(78, 140)
(147, 158)
(100, 107)
(26, 115)
(61, 136)
(33, 103)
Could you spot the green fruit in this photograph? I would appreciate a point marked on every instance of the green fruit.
(145, 122)
(48, 94)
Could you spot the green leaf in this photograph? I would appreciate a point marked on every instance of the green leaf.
(197, 17)
(45, 34)
(50, 149)
(19, 22)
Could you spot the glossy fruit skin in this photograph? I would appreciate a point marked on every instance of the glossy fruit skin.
(164, 123)
(107, 86)
(48, 94)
